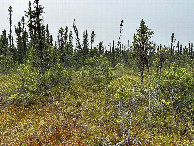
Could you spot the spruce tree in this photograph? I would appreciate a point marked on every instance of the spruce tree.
(78, 49)
(38, 32)
(172, 48)
(113, 60)
(49, 37)
(85, 46)
(143, 47)
(66, 51)
(24, 37)
(12, 49)
(10, 25)
(70, 50)
(21, 40)
(3, 44)
(61, 45)
(100, 49)
(93, 35)
(70, 44)
(18, 31)
(35, 30)
(29, 14)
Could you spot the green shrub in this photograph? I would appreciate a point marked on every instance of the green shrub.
(177, 89)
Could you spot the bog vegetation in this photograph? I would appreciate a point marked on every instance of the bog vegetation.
(62, 93)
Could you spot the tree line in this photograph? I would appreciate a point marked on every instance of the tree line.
(35, 45)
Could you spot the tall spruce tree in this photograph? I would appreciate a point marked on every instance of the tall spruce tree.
(70, 50)
(100, 49)
(61, 45)
(3, 44)
(85, 46)
(144, 50)
(70, 43)
(66, 52)
(143, 47)
(12, 49)
(113, 60)
(172, 50)
(172, 44)
(35, 25)
(18, 31)
(93, 35)
(21, 40)
(78, 49)
(38, 33)
(29, 14)
(10, 25)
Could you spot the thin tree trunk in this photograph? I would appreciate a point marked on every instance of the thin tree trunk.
(130, 127)
(121, 110)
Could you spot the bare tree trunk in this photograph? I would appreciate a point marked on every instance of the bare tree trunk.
(121, 110)
(130, 127)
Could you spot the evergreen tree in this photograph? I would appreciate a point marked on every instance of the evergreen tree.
(172, 47)
(10, 25)
(70, 43)
(120, 35)
(78, 44)
(12, 49)
(3, 44)
(6, 56)
(93, 35)
(143, 47)
(24, 37)
(29, 14)
(78, 49)
(172, 44)
(85, 46)
(70, 50)
(61, 45)
(36, 31)
(66, 51)
(21, 40)
(113, 60)
(49, 37)
(65, 46)
(100, 49)
(18, 31)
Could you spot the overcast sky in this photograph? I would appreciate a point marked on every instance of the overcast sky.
(104, 16)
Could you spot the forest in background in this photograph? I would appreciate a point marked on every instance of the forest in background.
(65, 93)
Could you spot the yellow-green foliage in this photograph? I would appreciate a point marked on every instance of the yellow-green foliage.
(122, 88)
(8, 84)
(86, 112)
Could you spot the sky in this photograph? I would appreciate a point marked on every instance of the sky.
(164, 17)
